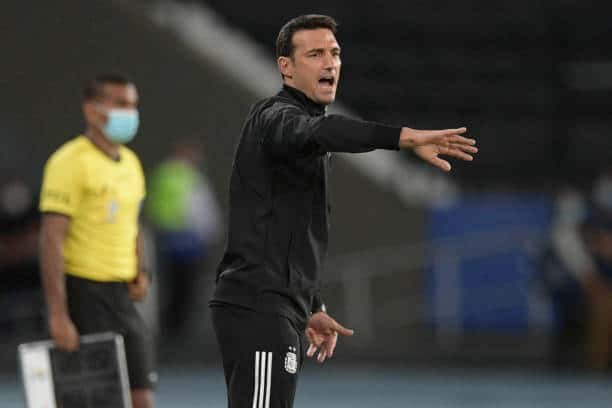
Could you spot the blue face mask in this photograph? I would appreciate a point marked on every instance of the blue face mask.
(122, 125)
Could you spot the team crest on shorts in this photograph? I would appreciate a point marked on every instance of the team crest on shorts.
(291, 361)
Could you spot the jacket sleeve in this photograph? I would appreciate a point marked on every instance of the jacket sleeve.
(292, 133)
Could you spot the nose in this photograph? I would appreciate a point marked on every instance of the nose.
(330, 62)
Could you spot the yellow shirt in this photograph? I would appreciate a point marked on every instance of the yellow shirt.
(103, 198)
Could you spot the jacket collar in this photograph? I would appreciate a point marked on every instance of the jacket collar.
(301, 99)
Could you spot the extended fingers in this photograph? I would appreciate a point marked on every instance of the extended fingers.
(450, 132)
(460, 148)
(342, 330)
(458, 154)
(440, 163)
(326, 350)
(312, 350)
(330, 346)
(463, 147)
(460, 140)
(322, 355)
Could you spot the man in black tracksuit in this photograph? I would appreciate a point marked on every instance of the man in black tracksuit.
(267, 293)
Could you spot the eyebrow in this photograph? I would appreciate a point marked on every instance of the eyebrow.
(337, 48)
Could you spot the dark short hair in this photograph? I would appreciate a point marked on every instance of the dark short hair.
(284, 41)
(93, 87)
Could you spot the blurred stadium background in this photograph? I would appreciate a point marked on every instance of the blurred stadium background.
(441, 276)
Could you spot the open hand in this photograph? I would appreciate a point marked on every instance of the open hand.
(322, 333)
(429, 144)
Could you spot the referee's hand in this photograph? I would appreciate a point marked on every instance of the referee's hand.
(322, 333)
(64, 332)
(139, 287)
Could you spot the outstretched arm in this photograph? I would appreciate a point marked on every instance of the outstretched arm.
(290, 134)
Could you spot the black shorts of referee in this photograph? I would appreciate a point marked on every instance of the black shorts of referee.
(106, 307)
(262, 356)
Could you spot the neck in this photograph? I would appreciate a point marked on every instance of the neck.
(303, 97)
(101, 142)
(291, 85)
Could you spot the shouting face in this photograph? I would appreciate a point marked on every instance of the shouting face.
(314, 66)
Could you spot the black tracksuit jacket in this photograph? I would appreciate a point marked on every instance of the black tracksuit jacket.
(279, 202)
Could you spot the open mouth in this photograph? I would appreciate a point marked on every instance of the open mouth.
(329, 80)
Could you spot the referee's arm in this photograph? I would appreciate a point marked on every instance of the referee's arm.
(54, 228)
(139, 287)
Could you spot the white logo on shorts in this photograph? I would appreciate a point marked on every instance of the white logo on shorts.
(291, 362)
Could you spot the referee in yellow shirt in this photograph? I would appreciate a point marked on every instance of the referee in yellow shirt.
(91, 196)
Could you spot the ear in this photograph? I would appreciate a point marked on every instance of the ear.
(92, 115)
(285, 66)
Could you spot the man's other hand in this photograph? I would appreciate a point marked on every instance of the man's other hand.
(322, 333)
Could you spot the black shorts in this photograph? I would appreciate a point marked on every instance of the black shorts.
(106, 306)
(262, 355)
